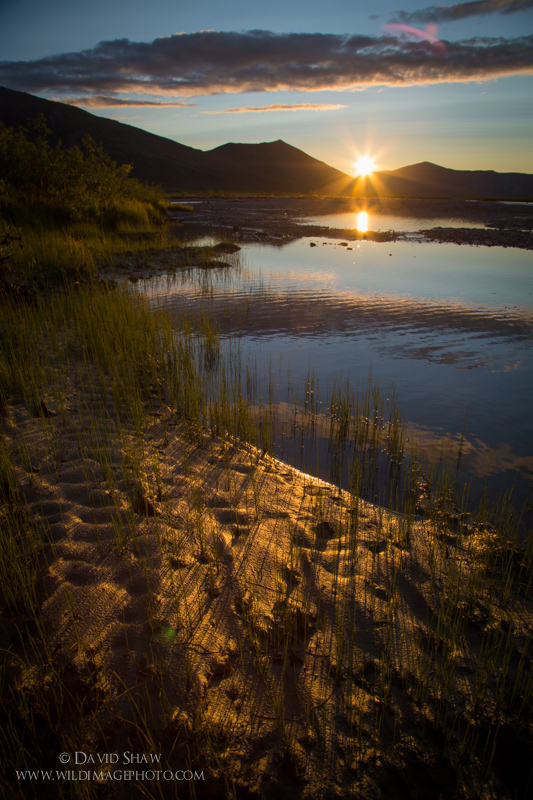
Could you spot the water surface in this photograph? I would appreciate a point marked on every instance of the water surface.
(387, 222)
(449, 327)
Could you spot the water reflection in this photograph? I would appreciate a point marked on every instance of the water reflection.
(451, 328)
(362, 222)
(387, 221)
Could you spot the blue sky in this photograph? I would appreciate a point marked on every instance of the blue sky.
(458, 93)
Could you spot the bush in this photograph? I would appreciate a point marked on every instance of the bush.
(64, 210)
(72, 184)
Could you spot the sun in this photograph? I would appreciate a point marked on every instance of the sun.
(364, 165)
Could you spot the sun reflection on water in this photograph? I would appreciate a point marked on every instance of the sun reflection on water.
(362, 222)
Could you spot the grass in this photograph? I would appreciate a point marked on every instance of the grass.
(47, 255)
(63, 211)
(423, 634)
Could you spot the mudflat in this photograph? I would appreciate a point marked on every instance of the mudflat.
(278, 219)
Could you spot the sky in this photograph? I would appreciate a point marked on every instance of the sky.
(401, 81)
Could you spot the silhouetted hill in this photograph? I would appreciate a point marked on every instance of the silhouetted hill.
(270, 167)
(274, 167)
(430, 180)
(154, 158)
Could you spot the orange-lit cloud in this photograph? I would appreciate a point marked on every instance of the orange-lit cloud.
(211, 62)
(108, 101)
(279, 107)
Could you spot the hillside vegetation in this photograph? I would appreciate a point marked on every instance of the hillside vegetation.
(62, 210)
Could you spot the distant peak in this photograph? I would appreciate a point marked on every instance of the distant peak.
(253, 144)
(422, 168)
(424, 165)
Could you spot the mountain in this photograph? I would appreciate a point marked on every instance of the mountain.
(270, 167)
(154, 158)
(430, 180)
(276, 166)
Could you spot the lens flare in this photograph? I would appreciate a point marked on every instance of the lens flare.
(428, 37)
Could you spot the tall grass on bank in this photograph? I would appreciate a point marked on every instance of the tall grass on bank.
(65, 210)
(456, 659)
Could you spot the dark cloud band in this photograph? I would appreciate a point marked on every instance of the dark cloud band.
(213, 62)
(460, 11)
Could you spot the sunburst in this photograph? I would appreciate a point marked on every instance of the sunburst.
(364, 165)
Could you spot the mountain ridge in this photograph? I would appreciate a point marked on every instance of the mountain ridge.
(426, 179)
(268, 167)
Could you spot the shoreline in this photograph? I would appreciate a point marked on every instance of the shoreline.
(288, 639)
(279, 220)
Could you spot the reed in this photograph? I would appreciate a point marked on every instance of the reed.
(456, 662)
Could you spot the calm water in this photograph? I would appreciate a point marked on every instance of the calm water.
(388, 222)
(449, 326)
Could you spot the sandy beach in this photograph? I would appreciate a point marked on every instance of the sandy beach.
(245, 622)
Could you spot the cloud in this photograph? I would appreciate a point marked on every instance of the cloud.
(108, 101)
(280, 107)
(213, 62)
(462, 10)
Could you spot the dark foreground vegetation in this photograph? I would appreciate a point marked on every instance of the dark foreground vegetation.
(169, 591)
(65, 210)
